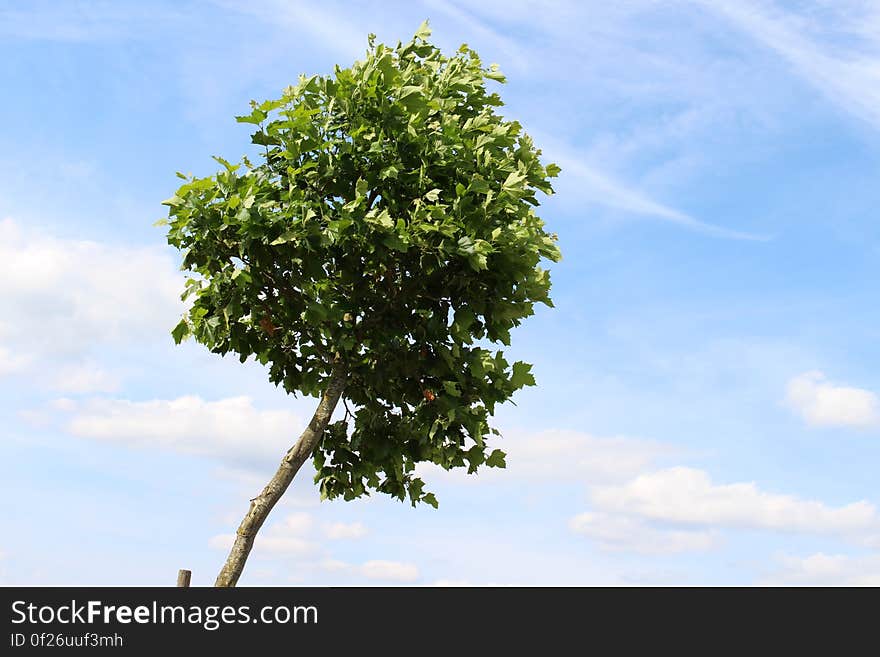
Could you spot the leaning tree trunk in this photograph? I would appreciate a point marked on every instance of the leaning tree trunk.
(290, 464)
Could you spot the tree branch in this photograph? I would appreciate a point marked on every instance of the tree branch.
(263, 503)
(374, 194)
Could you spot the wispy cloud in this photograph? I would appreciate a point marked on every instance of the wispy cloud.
(513, 52)
(598, 187)
(846, 69)
(87, 22)
(325, 24)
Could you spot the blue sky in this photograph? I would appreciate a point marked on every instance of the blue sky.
(707, 409)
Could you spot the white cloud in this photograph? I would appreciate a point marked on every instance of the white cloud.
(451, 583)
(688, 496)
(334, 565)
(287, 545)
(341, 530)
(286, 537)
(821, 403)
(64, 404)
(231, 430)
(562, 455)
(64, 297)
(222, 541)
(294, 524)
(11, 362)
(622, 533)
(826, 570)
(575, 455)
(82, 378)
(389, 570)
(293, 535)
(278, 545)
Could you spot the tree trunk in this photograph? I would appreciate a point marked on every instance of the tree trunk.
(290, 464)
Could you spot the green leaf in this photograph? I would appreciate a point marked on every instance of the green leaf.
(389, 173)
(381, 219)
(513, 181)
(229, 167)
(478, 185)
(180, 331)
(256, 117)
(521, 375)
(494, 74)
(285, 237)
(478, 262)
(496, 459)
(361, 187)
(423, 32)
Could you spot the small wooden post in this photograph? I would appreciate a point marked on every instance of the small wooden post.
(183, 578)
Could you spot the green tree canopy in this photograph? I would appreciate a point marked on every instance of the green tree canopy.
(387, 224)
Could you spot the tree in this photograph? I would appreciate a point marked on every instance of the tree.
(385, 241)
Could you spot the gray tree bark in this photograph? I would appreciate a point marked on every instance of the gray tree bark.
(290, 465)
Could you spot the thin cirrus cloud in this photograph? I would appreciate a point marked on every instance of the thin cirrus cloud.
(845, 69)
(77, 22)
(513, 52)
(821, 403)
(323, 23)
(553, 30)
(598, 187)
